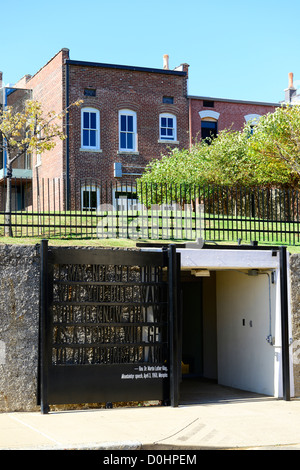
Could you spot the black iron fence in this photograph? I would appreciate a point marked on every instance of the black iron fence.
(44, 208)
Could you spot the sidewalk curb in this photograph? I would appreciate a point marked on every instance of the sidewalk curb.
(122, 445)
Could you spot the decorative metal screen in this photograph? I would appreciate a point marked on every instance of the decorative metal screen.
(105, 326)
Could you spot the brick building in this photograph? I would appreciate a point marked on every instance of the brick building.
(22, 168)
(208, 116)
(128, 116)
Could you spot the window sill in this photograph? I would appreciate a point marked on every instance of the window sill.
(90, 150)
(126, 152)
(168, 141)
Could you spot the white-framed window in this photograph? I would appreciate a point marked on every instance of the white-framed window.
(209, 129)
(90, 129)
(38, 154)
(127, 131)
(125, 198)
(28, 161)
(90, 197)
(209, 124)
(38, 159)
(167, 127)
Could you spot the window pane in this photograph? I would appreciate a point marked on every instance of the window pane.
(85, 199)
(130, 123)
(93, 120)
(123, 140)
(89, 92)
(123, 123)
(208, 104)
(86, 138)
(170, 122)
(93, 200)
(130, 141)
(164, 122)
(170, 132)
(208, 125)
(208, 129)
(86, 120)
(93, 138)
(168, 99)
(163, 131)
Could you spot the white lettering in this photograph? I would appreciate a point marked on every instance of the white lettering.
(127, 376)
(113, 460)
(171, 459)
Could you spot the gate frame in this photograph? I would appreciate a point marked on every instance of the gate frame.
(174, 318)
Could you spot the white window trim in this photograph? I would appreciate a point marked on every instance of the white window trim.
(89, 188)
(28, 161)
(97, 146)
(209, 114)
(38, 160)
(128, 112)
(129, 202)
(161, 138)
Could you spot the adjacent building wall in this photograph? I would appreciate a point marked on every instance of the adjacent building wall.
(48, 88)
(229, 114)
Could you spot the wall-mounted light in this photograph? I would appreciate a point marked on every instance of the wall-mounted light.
(200, 272)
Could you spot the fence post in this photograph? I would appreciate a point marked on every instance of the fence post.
(173, 325)
(43, 328)
(284, 324)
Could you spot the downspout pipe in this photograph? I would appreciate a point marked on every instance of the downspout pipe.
(67, 88)
(4, 151)
(190, 124)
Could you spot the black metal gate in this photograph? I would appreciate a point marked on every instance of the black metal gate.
(109, 326)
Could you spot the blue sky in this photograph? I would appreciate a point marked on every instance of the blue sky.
(235, 49)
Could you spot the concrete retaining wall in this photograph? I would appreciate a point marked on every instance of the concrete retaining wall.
(19, 325)
(294, 261)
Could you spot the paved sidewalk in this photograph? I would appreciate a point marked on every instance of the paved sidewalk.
(255, 423)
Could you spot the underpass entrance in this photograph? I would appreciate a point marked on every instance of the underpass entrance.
(236, 319)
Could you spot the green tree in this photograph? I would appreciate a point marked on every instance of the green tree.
(223, 160)
(276, 143)
(233, 158)
(23, 132)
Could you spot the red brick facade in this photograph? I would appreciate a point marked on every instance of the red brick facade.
(138, 90)
(62, 81)
(48, 87)
(229, 113)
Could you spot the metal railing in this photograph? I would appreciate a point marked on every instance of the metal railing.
(151, 211)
